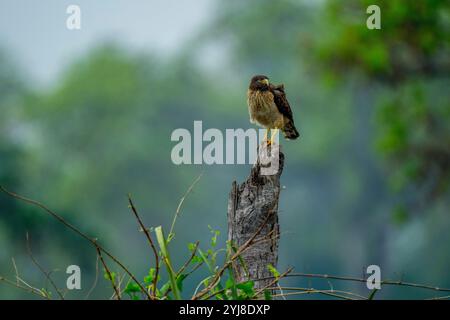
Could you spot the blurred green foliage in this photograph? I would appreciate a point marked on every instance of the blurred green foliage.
(413, 39)
(409, 59)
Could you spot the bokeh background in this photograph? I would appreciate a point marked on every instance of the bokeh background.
(86, 118)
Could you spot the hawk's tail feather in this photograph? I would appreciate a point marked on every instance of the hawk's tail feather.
(290, 132)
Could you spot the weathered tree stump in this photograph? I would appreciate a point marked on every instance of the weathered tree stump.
(253, 208)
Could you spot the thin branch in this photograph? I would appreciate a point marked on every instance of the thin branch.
(273, 282)
(109, 274)
(150, 241)
(198, 265)
(186, 264)
(256, 294)
(16, 271)
(329, 290)
(439, 298)
(310, 291)
(95, 279)
(46, 274)
(383, 282)
(77, 231)
(180, 204)
(213, 294)
(28, 289)
(19, 280)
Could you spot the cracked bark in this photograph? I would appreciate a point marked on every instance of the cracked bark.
(253, 207)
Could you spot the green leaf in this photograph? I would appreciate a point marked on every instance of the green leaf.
(196, 259)
(151, 276)
(132, 287)
(163, 290)
(273, 271)
(180, 279)
(267, 295)
(46, 293)
(205, 260)
(231, 284)
(215, 233)
(191, 246)
(110, 277)
(247, 288)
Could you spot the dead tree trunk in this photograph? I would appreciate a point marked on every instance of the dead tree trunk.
(253, 214)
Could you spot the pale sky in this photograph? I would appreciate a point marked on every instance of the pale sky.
(35, 33)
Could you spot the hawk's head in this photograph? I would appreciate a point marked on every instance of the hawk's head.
(259, 82)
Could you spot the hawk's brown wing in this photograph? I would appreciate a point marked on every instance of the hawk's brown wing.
(281, 101)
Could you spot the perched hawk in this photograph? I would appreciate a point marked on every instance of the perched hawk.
(269, 108)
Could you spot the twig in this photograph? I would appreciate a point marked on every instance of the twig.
(95, 279)
(279, 288)
(309, 291)
(439, 298)
(383, 282)
(186, 264)
(177, 212)
(215, 294)
(30, 287)
(354, 279)
(256, 294)
(121, 280)
(200, 283)
(108, 272)
(273, 282)
(27, 288)
(46, 274)
(80, 233)
(329, 290)
(16, 271)
(198, 265)
(150, 241)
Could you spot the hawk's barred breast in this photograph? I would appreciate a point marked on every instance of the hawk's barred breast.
(263, 110)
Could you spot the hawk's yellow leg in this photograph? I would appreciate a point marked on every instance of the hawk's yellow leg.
(266, 135)
(274, 133)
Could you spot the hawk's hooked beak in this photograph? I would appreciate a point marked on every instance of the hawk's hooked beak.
(265, 81)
